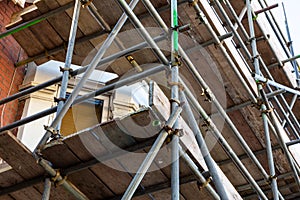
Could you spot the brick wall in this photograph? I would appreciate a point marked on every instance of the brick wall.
(10, 77)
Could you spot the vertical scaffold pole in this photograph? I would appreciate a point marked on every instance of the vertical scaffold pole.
(263, 106)
(67, 67)
(151, 155)
(174, 101)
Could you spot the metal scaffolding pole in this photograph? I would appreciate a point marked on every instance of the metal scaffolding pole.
(275, 84)
(80, 70)
(222, 141)
(203, 148)
(287, 52)
(199, 176)
(262, 62)
(290, 107)
(174, 101)
(47, 189)
(151, 154)
(80, 99)
(272, 178)
(148, 38)
(85, 77)
(67, 67)
(62, 180)
(264, 110)
(272, 115)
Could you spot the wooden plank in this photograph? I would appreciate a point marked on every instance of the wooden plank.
(86, 23)
(116, 180)
(60, 156)
(18, 156)
(90, 184)
(6, 197)
(9, 178)
(191, 192)
(28, 42)
(28, 193)
(164, 194)
(47, 36)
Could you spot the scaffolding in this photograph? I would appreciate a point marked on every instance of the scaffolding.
(269, 97)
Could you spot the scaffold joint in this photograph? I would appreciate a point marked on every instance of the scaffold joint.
(204, 184)
(175, 101)
(267, 111)
(50, 129)
(176, 61)
(254, 57)
(168, 129)
(193, 2)
(206, 93)
(63, 69)
(270, 178)
(85, 3)
(180, 86)
(175, 28)
(57, 100)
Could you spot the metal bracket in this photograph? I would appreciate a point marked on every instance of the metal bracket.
(180, 86)
(267, 111)
(168, 129)
(57, 100)
(175, 101)
(193, 3)
(63, 69)
(206, 93)
(85, 3)
(50, 129)
(269, 180)
(205, 184)
(177, 61)
(254, 57)
(176, 28)
(54, 179)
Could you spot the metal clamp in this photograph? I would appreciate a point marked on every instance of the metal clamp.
(270, 178)
(85, 3)
(180, 86)
(57, 100)
(204, 184)
(57, 175)
(58, 183)
(175, 101)
(50, 129)
(177, 132)
(206, 93)
(55, 178)
(193, 3)
(267, 111)
(177, 61)
(254, 57)
(258, 103)
(63, 69)
(168, 129)
(251, 39)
